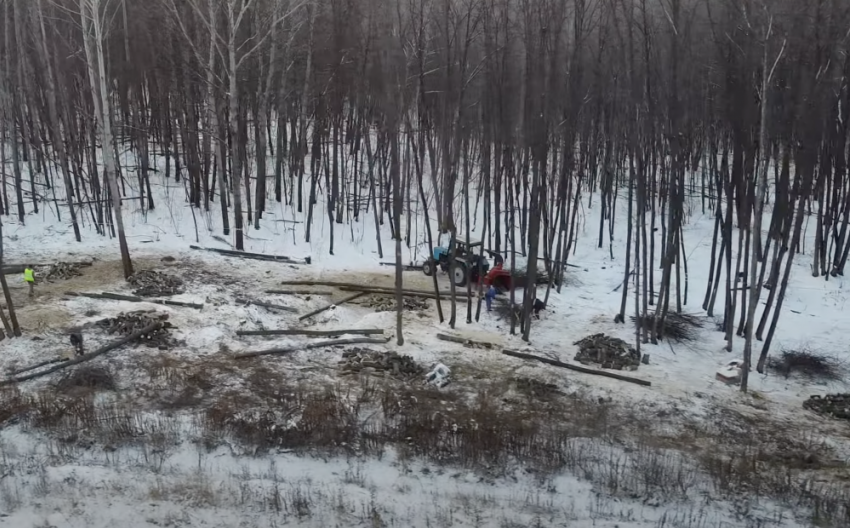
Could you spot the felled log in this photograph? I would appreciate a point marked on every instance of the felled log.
(350, 286)
(576, 368)
(37, 365)
(331, 305)
(254, 256)
(407, 267)
(267, 305)
(425, 294)
(464, 341)
(318, 344)
(311, 333)
(87, 357)
(10, 269)
(298, 292)
(132, 298)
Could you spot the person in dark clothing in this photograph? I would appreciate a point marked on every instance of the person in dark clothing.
(537, 307)
(77, 343)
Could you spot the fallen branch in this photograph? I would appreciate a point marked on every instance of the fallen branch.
(87, 357)
(297, 292)
(311, 333)
(131, 298)
(464, 341)
(267, 305)
(254, 256)
(319, 344)
(576, 368)
(328, 307)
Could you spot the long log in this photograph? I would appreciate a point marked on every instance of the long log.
(319, 344)
(298, 292)
(254, 256)
(267, 305)
(350, 286)
(133, 298)
(576, 368)
(377, 290)
(311, 333)
(87, 357)
(464, 341)
(37, 365)
(331, 305)
(9, 269)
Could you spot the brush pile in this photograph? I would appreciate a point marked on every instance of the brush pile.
(806, 364)
(609, 352)
(58, 271)
(150, 283)
(677, 326)
(386, 303)
(832, 405)
(373, 361)
(127, 323)
(87, 377)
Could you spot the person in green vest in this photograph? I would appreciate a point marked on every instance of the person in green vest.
(29, 278)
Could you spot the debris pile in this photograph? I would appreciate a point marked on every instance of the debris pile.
(807, 364)
(386, 303)
(151, 283)
(365, 360)
(58, 271)
(127, 323)
(609, 352)
(834, 405)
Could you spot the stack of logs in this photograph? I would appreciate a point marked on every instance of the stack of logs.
(373, 361)
(128, 323)
(151, 283)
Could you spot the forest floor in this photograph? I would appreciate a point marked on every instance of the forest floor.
(191, 436)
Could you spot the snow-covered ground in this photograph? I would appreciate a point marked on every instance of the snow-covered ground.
(45, 481)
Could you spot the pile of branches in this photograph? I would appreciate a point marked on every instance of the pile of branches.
(390, 363)
(677, 326)
(387, 303)
(87, 377)
(832, 405)
(609, 352)
(806, 364)
(58, 271)
(128, 323)
(150, 283)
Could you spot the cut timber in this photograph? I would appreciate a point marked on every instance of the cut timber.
(311, 333)
(87, 357)
(464, 341)
(298, 292)
(267, 305)
(328, 307)
(319, 344)
(583, 370)
(254, 256)
(131, 298)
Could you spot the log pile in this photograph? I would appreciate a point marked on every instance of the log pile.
(58, 271)
(373, 361)
(151, 283)
(832, 405)
(385, 303)
(609, 352)
(129, 323)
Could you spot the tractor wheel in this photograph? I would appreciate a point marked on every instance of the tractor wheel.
(428, 267)
(460, 274)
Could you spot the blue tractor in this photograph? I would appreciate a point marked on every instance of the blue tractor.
(469, 265)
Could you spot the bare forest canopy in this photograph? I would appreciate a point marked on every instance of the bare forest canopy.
(523, 108)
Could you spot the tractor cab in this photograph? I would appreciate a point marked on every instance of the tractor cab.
(469, 265)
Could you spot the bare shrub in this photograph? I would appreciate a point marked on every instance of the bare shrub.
(807, 364)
